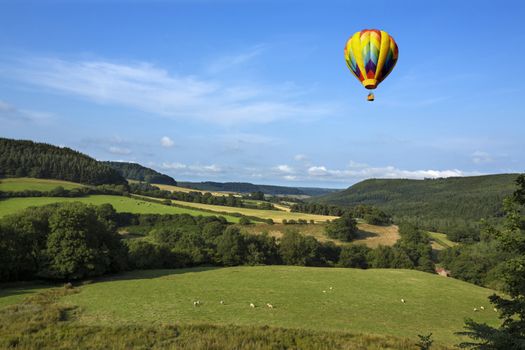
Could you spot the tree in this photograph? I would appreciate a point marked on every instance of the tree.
(296, 249)
(230, 247)
(511, 334)
(80, 244)
(343, 228)
(354, 256)
(244, 221)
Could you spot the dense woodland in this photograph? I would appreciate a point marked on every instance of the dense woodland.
(451, 205)
(370, 214)
(245, 187)
(71, 241)
(134, 171)
(41, 160)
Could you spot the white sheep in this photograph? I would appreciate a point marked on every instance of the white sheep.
(196, 303)
(221, 302)
(495, 310)
(403, 301)
(482, 307)
(270, 306)
(330, 288)
(252, 305)
(475, 309)
(324, 291)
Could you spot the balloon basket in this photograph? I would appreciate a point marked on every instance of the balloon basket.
(370, 97)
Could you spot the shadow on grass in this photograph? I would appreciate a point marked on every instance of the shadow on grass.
(150, 274)
(366, 234)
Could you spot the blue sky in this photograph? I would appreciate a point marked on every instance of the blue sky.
(258, 91)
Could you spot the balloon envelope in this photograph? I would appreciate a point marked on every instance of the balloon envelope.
(371, 55)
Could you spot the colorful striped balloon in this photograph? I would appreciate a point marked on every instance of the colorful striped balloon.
(371, 55)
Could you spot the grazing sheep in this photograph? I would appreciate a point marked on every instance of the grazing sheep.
(330, 288)
(252, 305)
(403, 301)
(196, 303)
(482, 307)
(270, 306)
(221, 302)
(495, 310)
(475, 309)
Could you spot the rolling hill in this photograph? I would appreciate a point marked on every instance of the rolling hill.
(19, 158)
(245, 187)
(135, 171)
(434, 203)
(354, 301)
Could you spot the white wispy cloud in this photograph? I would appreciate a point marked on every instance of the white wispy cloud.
(300, 157)
(479, 157)
(283, 168)
(181, 169)
(166, 142)
(12, 113)
(152, 89)
(119, 150)
(232, 61)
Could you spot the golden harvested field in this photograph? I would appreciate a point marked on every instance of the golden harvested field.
(276, 215)
(184, 189)
(369, 235)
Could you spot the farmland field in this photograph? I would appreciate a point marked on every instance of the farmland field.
(120, 203)
(440, 241)
(361, 301)
(275, 215)
(27, 183)
(184, 189)
(369, 235)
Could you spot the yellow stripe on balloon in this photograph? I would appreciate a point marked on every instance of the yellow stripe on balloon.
(356, 49)
(383, 52)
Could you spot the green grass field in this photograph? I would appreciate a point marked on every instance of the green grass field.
(275, 215)
(121, 204)
(361, 301)
(27, 183)
(440, 241)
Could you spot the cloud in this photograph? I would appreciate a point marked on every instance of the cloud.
(300, 157)
(11, 113)
(148, 88)
(119, 150)
(361, 171)
(181, 169)
(167, 142)
(231, 61)
(284, 169)
(480, 157)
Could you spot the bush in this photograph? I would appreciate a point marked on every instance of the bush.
(244, 221)
(343, 228)
(355, 256)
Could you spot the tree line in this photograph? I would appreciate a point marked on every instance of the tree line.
(370, 214)
(72, 241)
(26, 158)
(138, 172)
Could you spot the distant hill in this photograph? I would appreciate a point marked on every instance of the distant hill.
(138, 172)
(245, 187)
(20, 158)
(434, 203)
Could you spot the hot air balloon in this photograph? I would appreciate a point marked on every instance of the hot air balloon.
(371, 54)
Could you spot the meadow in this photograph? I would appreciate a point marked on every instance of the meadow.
(303, 298)
(120, 203)
(32, 184)
(275, 215)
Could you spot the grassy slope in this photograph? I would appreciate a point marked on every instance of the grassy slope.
(184, 189)
(370, 235)
(440, 240)
(27, 183)
(365, 301)
(275, 215)
(121, 204)
(469, 198)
